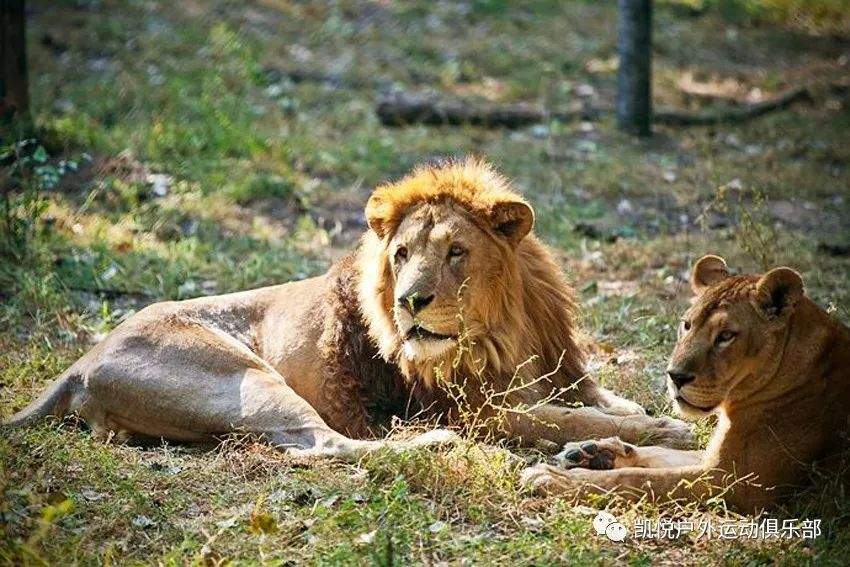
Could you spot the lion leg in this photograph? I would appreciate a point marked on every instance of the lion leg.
(590, 393)
(564, 424)
(102, 426)
(665, 484)
(612, 453)
(274, 411)
(259, 403)
(611, 403)
(189, 382)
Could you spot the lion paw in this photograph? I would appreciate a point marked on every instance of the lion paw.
(670, 432)
(537, 478)
(600, 455)
(621, 406)
(545, 479)
(435, 437)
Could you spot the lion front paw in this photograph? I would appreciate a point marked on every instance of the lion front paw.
(538, 479)
(621, 406)
(600, 455)
(672, 432)
(545, 479)
(435, 437)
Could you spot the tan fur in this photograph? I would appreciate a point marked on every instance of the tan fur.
(308, 365)
(772, 365)
(517, 311)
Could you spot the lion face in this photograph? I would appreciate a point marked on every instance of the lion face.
(448, 237)
(443, 267)
(730, 336)
(430, 256)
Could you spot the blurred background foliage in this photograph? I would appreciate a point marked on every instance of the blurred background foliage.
(813, 16)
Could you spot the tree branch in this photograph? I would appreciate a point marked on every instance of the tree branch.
(413, 108)
(733, 115)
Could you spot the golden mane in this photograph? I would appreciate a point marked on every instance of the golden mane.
(528, 330)
(471, 183)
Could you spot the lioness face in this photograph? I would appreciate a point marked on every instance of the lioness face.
(431, 256)
(729, 336)
(712, 353)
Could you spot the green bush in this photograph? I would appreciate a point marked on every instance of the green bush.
(813, 16)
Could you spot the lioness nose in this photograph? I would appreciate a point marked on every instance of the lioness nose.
(415, 302)
(680, 378)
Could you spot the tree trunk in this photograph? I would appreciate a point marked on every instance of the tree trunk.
(14, 91)
(634, 44)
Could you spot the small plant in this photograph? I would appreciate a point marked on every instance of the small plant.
(755, 232)
(483, 410)
(752, 228)
(28, 172)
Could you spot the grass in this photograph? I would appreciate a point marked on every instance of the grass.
(265, 180)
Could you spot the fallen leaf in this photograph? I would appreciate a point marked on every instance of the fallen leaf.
(262, 523)
(437, 527)
(91, 495)
(142, 521)
(532, 523)
(607, 348)
(228, 523)
(160, 183)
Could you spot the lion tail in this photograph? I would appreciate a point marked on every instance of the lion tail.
(56, 401)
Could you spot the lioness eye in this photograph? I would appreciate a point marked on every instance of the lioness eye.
(686, 325)
(456, 250)
(400, 254)
(725, 336)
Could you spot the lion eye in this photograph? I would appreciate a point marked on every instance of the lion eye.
(400, 254)
(725, 336)
(456, 250)
(686, 325)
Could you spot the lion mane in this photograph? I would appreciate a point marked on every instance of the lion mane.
(527, 336)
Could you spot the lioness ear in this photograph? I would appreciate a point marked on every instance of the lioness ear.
(708, 270)
(778, 291)
(512, 219)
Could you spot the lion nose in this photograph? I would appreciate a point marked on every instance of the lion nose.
(415, 302)
(680, 378)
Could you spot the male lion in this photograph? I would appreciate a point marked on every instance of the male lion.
(772, 365)
(315, 365)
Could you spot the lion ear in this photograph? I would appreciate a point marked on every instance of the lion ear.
(378, 216)
(512, 219)
(708, 270)
(778, 291)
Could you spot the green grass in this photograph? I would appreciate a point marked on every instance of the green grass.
(267, 180)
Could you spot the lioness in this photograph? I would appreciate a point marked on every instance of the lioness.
(315, 365)
(772, 365)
